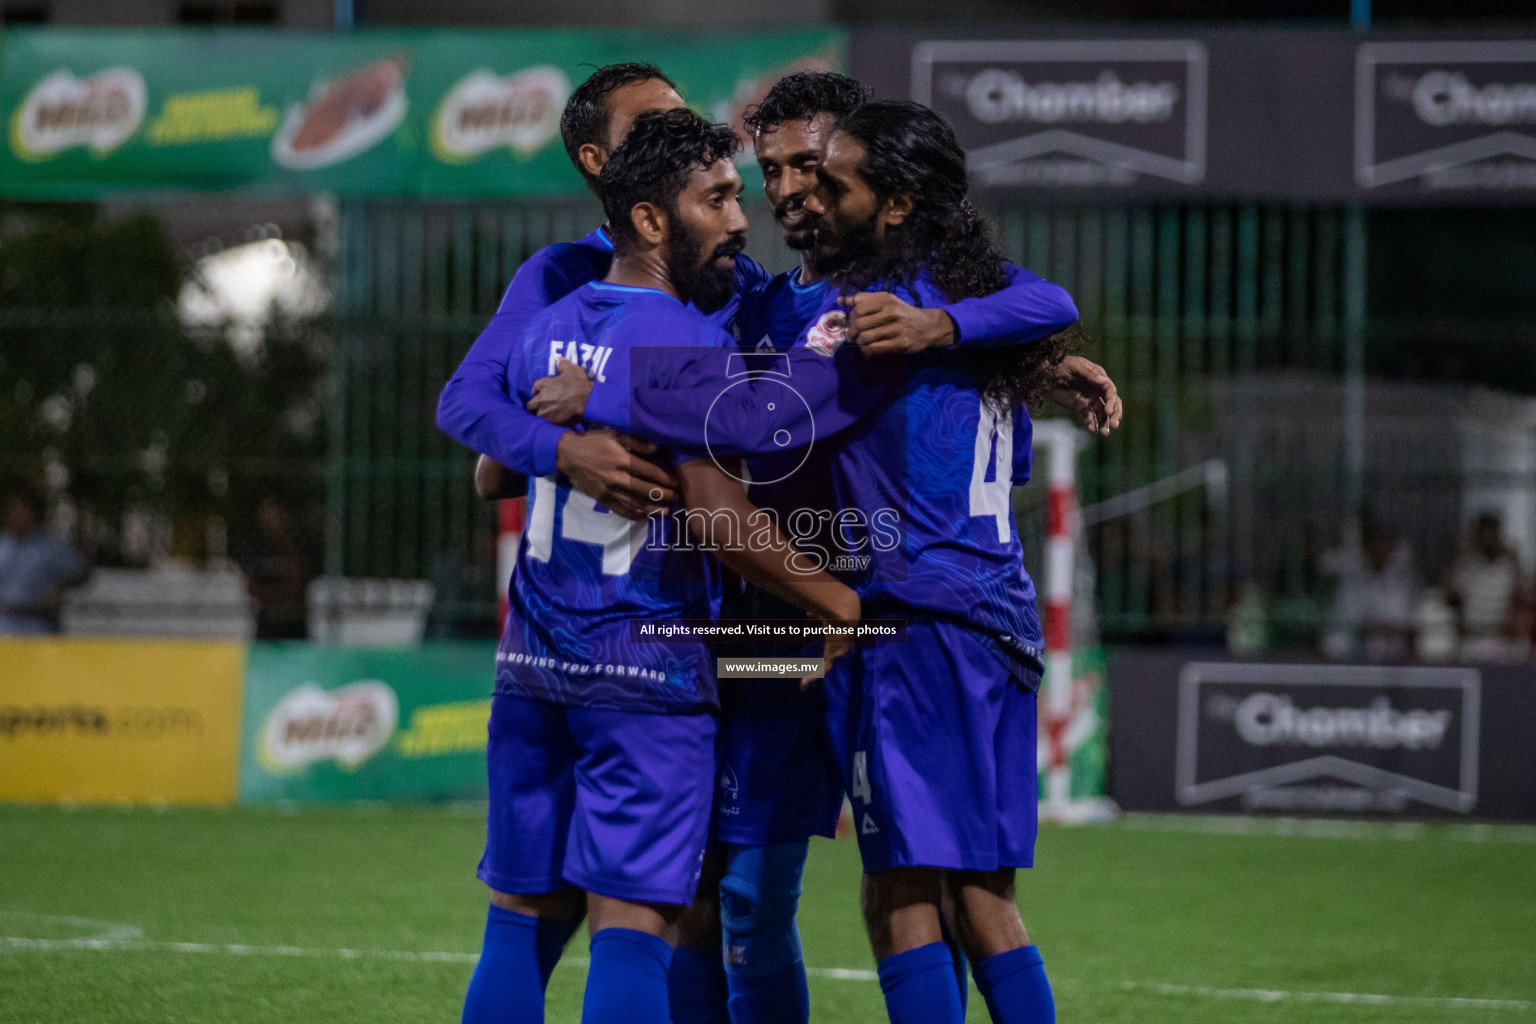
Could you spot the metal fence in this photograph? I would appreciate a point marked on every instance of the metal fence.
(1182, 300)
(1227, 328)
(417, 284)
(1178, 299)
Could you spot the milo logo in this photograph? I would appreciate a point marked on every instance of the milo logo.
(62, 112)
(483, 112)
(348, 725)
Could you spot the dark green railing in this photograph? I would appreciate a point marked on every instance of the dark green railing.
(1229, 329)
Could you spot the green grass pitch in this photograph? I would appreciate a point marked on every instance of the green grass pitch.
(249, 915)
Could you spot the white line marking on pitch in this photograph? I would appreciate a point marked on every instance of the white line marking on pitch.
(1318, 828)
(399, 955)
(1265, 995)
(831, 973)
(842, 973)
(100, 929)
(233, 949)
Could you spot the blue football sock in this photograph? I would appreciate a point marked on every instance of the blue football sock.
(763, 968)
(778, 998)
(962, 965)
(508, 984)
(627, 981)
(919, 986)
(696, 987)
(1016, 988)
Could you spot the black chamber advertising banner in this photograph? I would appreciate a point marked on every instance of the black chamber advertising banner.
(1301, 116)
(1452, 118)
(1193, 733)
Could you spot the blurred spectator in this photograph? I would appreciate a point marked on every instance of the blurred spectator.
(1374, 612)
(1248, 623)
(1487, 590)
(1437, 640)
(275, 573)
(36, 567)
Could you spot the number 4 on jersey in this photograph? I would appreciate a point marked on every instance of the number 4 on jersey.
(994, 452)
(859, 790)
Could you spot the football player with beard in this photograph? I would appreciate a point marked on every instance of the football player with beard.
(779, 797)
(602, 744)
(934, 737)
(774, 790)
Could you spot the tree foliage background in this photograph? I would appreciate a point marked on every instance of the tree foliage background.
(154, 439)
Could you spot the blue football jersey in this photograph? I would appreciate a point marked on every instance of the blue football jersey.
(584, 574)
(474, 407)
(770, 320)
(776, 315)
(921, 466)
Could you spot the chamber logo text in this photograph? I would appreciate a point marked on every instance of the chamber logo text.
(1348, 738)
(1446, 115)
(1086, 113)
(1268, 719)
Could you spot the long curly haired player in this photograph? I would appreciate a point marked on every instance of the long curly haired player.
(934, 736)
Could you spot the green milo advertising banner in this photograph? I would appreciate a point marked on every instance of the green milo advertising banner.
(329, 724)
(439, 113)
(325, 724)
(1087, 730)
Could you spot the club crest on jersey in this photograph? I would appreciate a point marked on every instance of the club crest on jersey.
(828, 333)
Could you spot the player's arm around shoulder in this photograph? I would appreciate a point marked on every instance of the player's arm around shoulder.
(543, 279)
(476, 407)
(750, 274)
(1025, 309)
(676, 368)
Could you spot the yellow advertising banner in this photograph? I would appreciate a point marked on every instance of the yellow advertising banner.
(120, 721)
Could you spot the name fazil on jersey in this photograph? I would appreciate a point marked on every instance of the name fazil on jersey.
(592, 358)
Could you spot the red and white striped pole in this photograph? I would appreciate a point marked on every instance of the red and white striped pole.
(1060, 543)
(509, 536)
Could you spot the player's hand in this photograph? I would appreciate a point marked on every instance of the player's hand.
(834, 647)
(1083, 389)
(562, 398)
(880, 323)
(494, 481)
(611, 467)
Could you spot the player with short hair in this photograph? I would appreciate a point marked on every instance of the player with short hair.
(773, 795)
(475, 407)
(602, 758)
(600, 110)
(776, 790)
(935, 737)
